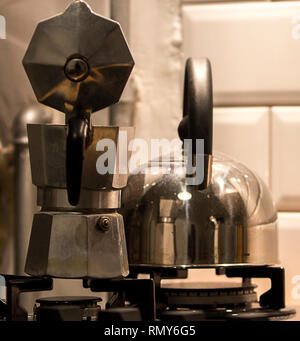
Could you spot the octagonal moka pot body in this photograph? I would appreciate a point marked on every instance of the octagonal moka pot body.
(68, 241)
(227, 220)
(48, 144)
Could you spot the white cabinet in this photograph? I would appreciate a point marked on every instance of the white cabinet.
(254, 48)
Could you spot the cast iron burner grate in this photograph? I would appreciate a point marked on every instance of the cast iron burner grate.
(136, 299)
(218, 301)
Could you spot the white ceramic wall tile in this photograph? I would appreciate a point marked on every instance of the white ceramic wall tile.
(289, 254)
(216, 1)
(243, 133)
(254, 48)
(285, 160)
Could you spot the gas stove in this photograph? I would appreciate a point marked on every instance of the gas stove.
(149, 299)
(171, 224)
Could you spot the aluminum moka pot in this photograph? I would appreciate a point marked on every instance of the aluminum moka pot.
(228, 219)
(78, 63)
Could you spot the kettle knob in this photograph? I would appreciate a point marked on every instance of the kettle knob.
(77, 140)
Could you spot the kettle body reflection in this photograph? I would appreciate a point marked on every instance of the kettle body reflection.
(232, 222)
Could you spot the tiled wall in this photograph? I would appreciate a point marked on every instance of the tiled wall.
(254, 49)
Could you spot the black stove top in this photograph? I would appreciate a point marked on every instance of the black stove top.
(135, 299)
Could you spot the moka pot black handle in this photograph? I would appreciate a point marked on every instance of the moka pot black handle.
(76, 145)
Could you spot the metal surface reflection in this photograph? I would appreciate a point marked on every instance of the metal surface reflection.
(231, 222)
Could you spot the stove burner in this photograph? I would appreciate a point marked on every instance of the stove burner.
(222, 314)
(67, 308)
(82, 301)
(182, 315)
(260, 314)
(205, 295)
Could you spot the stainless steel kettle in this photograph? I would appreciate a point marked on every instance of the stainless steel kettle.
(227, 220)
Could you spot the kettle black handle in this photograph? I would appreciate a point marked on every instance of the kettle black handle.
(197, 122)
(76, 144)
